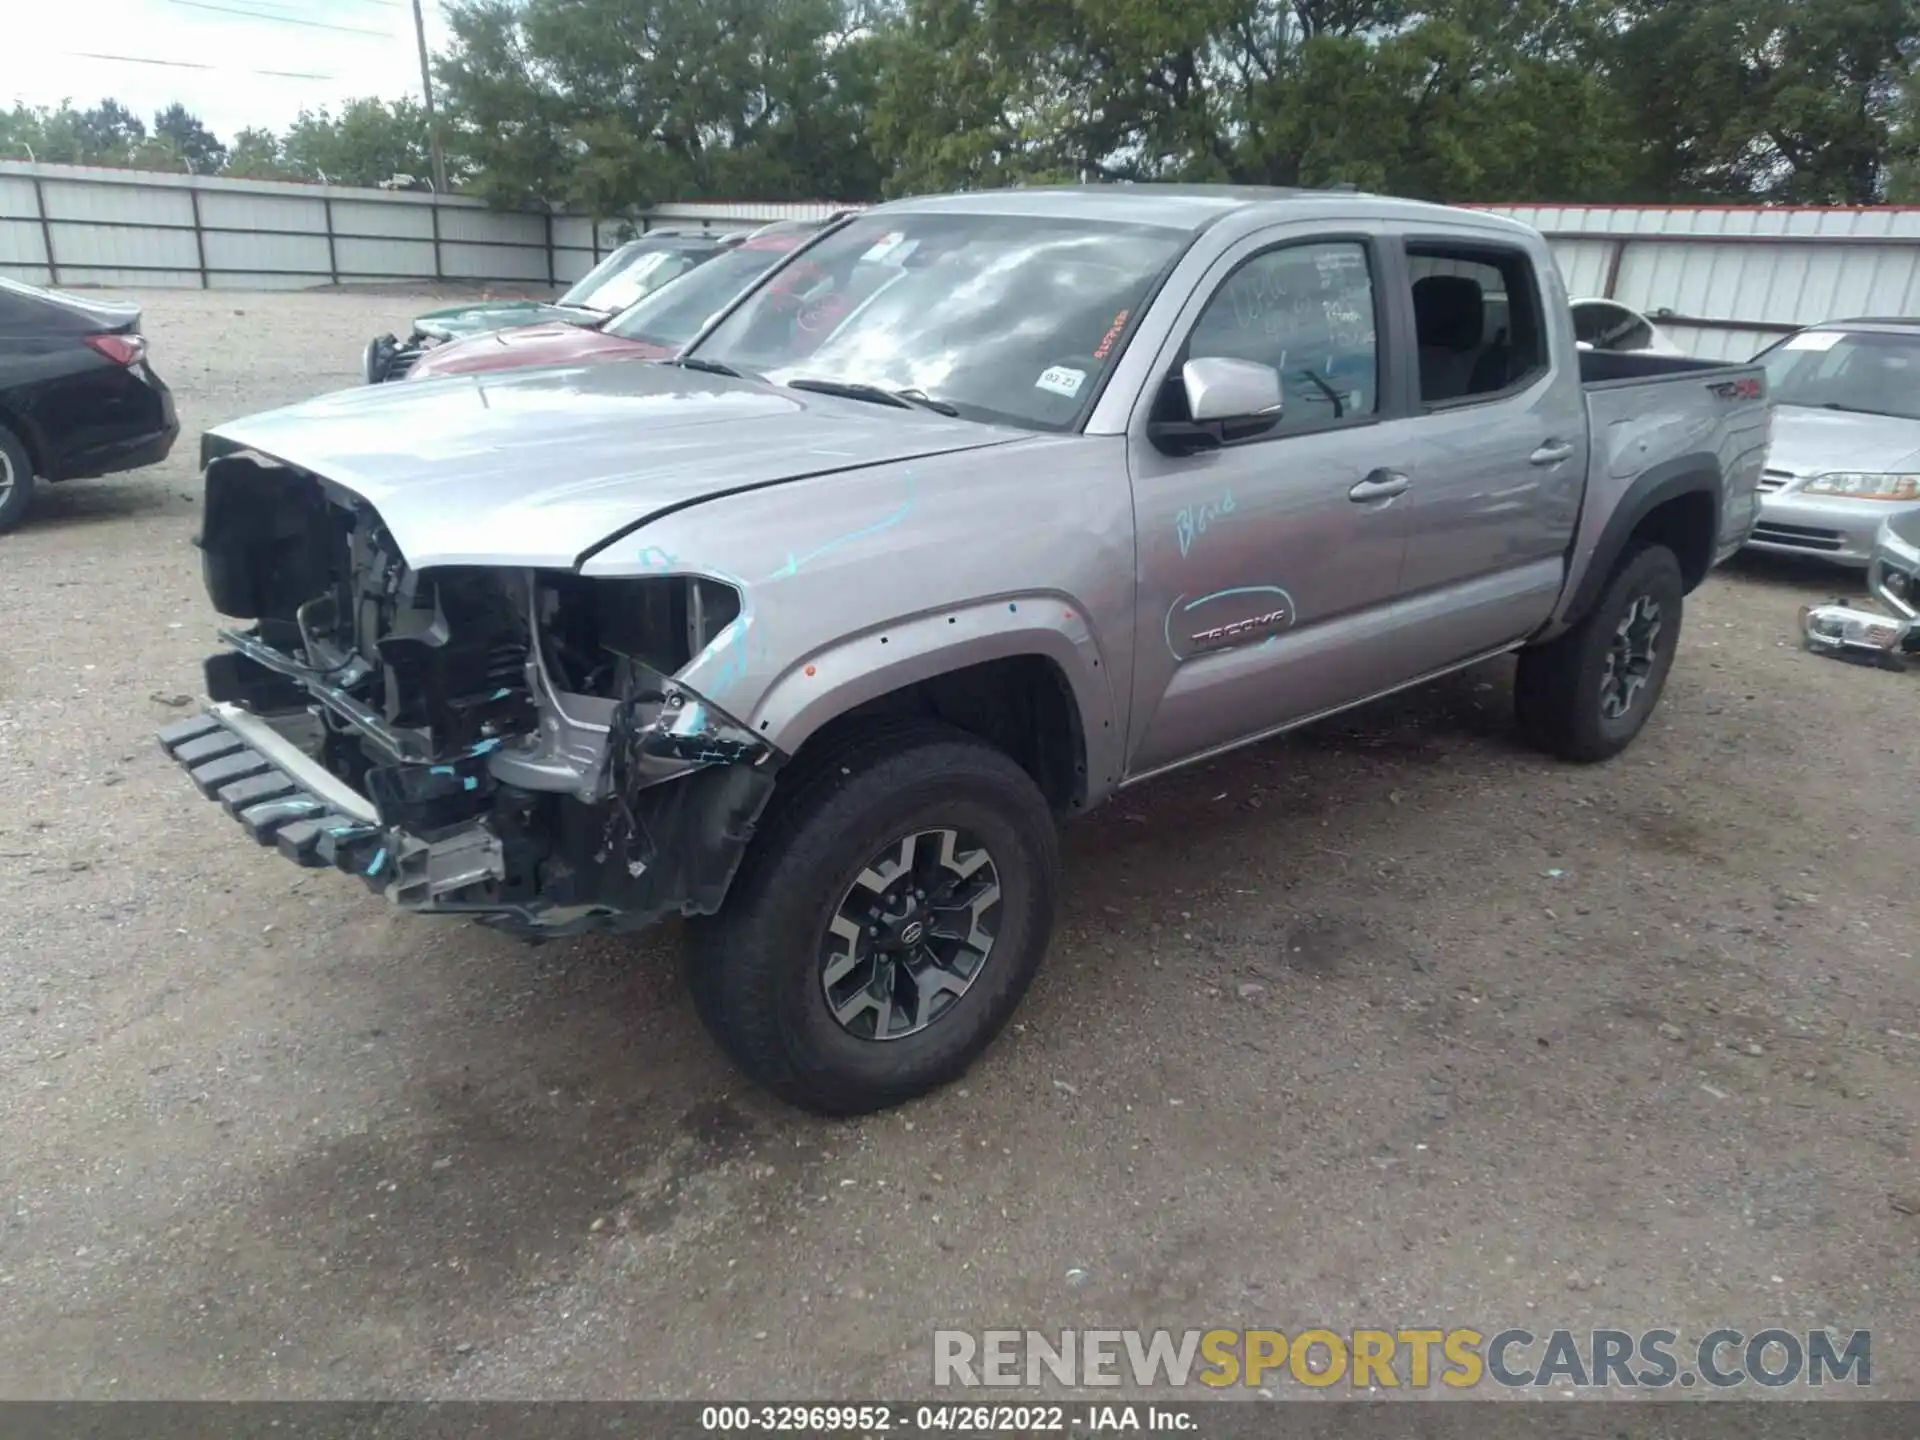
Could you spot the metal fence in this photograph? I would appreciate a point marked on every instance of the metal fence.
(1722, 281)
(78, 226)
(1725, 281)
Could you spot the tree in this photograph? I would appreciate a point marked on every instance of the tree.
(255, 155)
(1794, 100)
(612, 103)
(368, 142)
(609, 105)
(196, 144)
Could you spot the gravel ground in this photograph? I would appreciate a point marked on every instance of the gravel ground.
(1391, 1022)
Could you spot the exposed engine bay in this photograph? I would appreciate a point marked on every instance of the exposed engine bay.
(524, 753)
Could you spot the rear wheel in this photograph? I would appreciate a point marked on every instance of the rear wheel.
(885, 923)
(1586, 695)
(16, 480)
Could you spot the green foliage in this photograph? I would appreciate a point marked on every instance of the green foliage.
(256, 155)
(612, 104)
(368, 142)
(189, 139)
(608, 104)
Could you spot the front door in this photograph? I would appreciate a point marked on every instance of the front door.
(1268, 568)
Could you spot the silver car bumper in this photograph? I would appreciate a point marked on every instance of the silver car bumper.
(1886, 632)
(1829, 527)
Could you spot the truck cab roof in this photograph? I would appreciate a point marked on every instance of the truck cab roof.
(1196, 207)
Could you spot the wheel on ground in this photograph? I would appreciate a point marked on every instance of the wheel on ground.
(1586, 695)
(16, 480)
(886, 921)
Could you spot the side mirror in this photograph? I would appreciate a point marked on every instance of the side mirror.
(1221, 390)
(1227, 400)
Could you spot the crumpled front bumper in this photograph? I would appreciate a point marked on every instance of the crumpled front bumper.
(281, 797)
(1883, 629)
(687, 789)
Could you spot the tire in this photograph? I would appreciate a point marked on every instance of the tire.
(1568, 693)
(16, 481)
(760, 969)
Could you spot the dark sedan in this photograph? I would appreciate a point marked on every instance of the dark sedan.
(77, 397)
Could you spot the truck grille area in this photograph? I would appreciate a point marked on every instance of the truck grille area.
(423, 665)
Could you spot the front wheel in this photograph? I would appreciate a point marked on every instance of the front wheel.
(1586, 695)
(885, 923)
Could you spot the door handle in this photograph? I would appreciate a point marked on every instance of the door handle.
(1380, 485)
(1551, 453)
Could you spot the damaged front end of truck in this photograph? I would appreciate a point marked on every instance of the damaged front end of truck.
(510, 745)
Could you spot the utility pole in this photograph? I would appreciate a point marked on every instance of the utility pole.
(426, 86)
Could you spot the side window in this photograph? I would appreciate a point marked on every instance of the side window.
(1606, 326)
(1478, 321)
(1306, 310)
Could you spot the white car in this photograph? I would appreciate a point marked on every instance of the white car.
(1845, 453)
(1600, 324)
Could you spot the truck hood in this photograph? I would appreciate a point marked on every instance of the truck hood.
(456, 321)
(537, 468)
(1814, 442)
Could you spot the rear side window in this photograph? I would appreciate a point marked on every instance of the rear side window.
(1478, 321)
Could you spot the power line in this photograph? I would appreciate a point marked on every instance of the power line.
(281, 19)
(193, 65)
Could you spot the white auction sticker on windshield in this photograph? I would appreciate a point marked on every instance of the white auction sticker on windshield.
(883, 247)
(1815, 340)
(1061, 380)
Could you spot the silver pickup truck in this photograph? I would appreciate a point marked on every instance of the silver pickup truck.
(976, 510)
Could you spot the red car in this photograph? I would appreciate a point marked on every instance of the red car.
(654, 328)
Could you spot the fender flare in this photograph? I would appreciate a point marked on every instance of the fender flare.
(879, 660)
(1695, 474)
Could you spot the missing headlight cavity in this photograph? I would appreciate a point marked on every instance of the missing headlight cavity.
(659, 621)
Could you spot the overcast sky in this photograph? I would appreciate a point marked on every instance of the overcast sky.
(44, 57)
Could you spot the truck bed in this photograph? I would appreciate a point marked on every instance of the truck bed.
(1627, 367)
(1653, 420)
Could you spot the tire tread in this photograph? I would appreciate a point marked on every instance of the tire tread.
(735, 959)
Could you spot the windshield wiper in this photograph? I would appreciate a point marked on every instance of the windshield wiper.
(1849, 409)
(1327, 390)
(927, 402)
(710, 367)
(878, 394)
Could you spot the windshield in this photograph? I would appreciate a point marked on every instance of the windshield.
(674, 316)
(629, 274)
(1863, 370)
(1004, 318)
(1610, 327)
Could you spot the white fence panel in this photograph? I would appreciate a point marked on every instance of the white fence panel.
(391, 259)
(123, 246)
(21, 244)
(271, 253)
(382, 218)
(1723, 281)
(221, 210)
(1727, 281)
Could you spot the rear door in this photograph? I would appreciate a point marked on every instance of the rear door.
(1269, 568)
(1502, 427)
